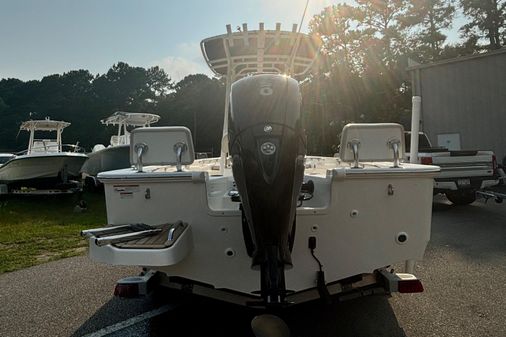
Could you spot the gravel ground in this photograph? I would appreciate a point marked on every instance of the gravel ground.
(464, 274)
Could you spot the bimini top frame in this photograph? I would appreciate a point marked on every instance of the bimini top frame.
(260, 51)
(124, 119)
(44, 145)
(43, 125)
(131, 118)
(237, 54)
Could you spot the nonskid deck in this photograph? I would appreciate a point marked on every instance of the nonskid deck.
(314, 166)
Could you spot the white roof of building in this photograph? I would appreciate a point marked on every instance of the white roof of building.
(413, 65)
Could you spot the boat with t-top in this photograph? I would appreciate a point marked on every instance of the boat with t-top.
(265, 224)
(116, 154)
(47, 165)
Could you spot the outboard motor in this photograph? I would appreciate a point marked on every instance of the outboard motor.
(267, 145)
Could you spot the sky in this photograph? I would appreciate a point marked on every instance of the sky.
(43, 37)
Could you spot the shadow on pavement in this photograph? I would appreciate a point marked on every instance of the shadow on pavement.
(114, 311)
(476, 230)
(369, 316)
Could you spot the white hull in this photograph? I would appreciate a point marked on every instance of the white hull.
(41, 166)
(354, 215)
(107, 159)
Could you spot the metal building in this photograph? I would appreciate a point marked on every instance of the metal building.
(464, 101)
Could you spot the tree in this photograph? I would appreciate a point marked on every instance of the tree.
(337, 27)
(158, 80)
(197, 102)
(380, 20)
(468, 47)
(126, 87)
(3, 106)
(427, 19)
(80, 98)
(487, 21)
(362, 77)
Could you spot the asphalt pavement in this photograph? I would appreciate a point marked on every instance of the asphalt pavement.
(464, 274)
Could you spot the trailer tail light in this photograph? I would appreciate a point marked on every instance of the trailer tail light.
(410, 286)
(494, 164)
(426, 160)
(135, 286)
(126, 290)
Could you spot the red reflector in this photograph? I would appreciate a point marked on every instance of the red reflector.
(126, 290)
(494, 164)
(410, 286)
(426, 160)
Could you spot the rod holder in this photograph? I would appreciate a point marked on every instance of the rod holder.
(354, 145)
(394, 144)
(140, 149)
(180, 148)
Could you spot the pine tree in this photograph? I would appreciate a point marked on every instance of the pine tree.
(337, 27)
(381, 19)
(426, 19)
(487, 21)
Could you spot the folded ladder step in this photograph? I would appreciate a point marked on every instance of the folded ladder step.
(113, 230)
(106, 240)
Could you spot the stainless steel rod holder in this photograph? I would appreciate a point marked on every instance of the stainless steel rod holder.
(140, 149)
(394, 144)
(179, 148)
(354, 145)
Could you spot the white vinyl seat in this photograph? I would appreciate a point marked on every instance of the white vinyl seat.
(372, 142)
(168, 145)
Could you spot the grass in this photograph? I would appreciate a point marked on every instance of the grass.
(34, 230)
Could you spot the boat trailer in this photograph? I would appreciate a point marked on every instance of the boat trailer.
(4, 190)
(491, 194)
(497, 192)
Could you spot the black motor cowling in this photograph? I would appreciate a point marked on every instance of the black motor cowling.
(267, 145)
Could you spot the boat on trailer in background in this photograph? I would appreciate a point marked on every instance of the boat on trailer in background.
(116, 154)
(265, 225)
(47, 166)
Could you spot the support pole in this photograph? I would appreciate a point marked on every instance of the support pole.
(224, 138)
(58, 139)
(410, 266)
(415, 128)
(32, 138)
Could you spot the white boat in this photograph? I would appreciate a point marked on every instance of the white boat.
(5, 157)
(265, 225)
(116, 154)
(46, 164)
